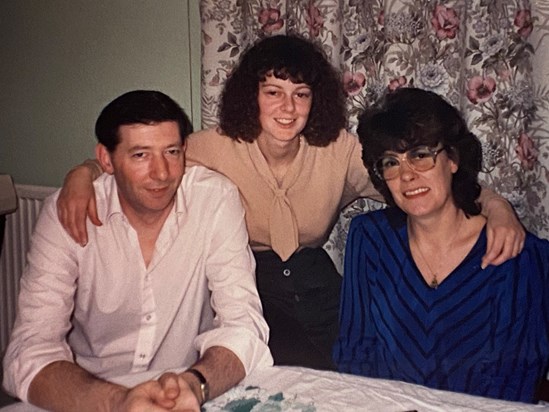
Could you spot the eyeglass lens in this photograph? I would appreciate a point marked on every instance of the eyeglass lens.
(420, 159)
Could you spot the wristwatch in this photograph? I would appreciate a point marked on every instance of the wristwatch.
(204, 386)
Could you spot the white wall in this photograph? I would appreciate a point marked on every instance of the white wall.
(61, 61)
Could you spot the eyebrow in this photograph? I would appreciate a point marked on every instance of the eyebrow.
(299, 85)
(139, 147)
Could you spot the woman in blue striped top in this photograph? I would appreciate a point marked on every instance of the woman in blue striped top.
(416, 304)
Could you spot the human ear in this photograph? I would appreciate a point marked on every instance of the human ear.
(453, 158)
(103, 156)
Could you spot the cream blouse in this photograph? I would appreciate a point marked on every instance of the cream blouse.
(301, 211)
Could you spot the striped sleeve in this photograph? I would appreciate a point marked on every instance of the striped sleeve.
(353, 346)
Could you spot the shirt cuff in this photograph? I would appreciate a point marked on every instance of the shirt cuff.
(250, 349)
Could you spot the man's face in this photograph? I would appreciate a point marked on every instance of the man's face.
(148, 165)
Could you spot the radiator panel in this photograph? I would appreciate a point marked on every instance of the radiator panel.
(19, 227)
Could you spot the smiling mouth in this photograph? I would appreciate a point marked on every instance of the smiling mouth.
(158, 189)
(285, 122)
(416, 191)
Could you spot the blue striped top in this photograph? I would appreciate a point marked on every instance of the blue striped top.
(482, 332)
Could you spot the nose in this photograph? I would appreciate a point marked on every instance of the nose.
(406, 172)
(159, 168)
(288, 104)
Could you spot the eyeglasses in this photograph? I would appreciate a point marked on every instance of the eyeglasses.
(420, 159)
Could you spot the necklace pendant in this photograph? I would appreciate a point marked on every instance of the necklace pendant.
(434, 283)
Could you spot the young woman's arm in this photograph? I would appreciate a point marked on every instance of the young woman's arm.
(77, 200)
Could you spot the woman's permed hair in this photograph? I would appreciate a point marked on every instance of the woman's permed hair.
(286, 57)
(409, 117)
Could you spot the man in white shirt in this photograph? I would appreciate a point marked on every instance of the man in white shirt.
(166, 282)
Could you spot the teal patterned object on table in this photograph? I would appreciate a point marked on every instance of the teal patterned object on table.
(255, 399)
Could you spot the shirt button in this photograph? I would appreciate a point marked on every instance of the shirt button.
(296, 297)
(286, 272)
(148, 317)
(142, 356)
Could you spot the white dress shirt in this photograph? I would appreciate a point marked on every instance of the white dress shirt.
(101, 307)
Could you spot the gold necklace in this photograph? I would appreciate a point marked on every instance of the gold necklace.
(434, 281)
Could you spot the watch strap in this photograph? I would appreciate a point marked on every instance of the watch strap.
(204, 386)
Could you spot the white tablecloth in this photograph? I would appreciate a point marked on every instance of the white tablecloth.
(307, 390)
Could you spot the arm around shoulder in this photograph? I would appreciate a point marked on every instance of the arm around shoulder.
(505, 233)
(76, 200)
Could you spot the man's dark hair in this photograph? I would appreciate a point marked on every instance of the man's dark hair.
(139, 106)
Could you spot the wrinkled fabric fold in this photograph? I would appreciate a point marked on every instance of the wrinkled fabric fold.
(283, 226)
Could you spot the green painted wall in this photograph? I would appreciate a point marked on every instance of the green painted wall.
(61, 61)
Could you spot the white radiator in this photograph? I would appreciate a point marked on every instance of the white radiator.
(19, 227)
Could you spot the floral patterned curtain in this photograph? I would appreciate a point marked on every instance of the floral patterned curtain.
(476, 53)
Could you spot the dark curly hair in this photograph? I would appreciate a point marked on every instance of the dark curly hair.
(409, 117)
(287, 57)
